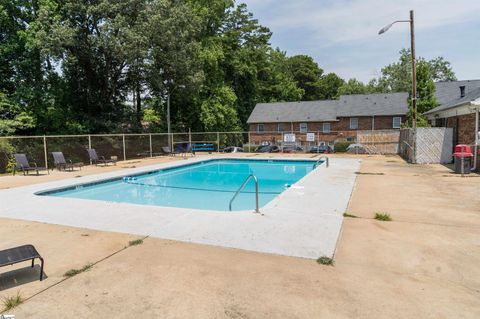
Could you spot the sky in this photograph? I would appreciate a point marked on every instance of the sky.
(342, 35)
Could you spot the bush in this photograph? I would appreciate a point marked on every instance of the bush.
(324, 260)
(385, 217)
(7, 162)
(341, 147)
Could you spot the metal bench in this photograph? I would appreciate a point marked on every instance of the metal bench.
(18, 254)
(203, 147)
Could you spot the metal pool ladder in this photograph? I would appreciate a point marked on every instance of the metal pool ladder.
(319, 160)
(242, 187)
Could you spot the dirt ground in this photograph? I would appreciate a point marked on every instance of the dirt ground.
(423, 264)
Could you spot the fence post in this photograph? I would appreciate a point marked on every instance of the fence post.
(218, 142)
(124, 150)
(190, 137)
(248, 142)
(150, 140)
(45, 151)
(90, 145)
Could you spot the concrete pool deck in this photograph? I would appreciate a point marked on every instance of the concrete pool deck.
(303, 221)
(423, 264)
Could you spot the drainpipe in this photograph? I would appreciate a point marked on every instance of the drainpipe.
(476, 138)
(373, 122)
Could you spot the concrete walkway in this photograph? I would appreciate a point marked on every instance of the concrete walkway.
(304, 221)
(423, 264)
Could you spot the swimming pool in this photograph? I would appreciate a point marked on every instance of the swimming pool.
(207, 185)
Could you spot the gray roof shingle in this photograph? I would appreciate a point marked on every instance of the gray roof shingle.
(312, 111)
(329, 110)
(448, 94)
(373, 104)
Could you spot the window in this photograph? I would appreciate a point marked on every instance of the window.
(261, 127)
(397, 122)
(303, 128)
(354, 123)
(326, 128)
(281, 127)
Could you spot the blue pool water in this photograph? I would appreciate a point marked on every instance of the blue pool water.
(204, 185)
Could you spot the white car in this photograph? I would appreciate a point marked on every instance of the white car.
(233, 149)
(356, 149)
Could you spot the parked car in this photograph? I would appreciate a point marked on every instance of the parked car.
(268, 149)
(292, 149)
(356, 149)
(233, 149)
(321, 149)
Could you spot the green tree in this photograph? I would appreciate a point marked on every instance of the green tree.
(397, 77)
(307, 75)
(275, 81)
(425, 95)
(330, 85)
(353, 86)
(12, 119)
(218, 112)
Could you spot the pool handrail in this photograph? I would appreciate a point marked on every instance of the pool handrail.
(320, 160)
(242, 187)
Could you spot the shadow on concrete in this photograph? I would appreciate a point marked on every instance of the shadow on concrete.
(20, 276)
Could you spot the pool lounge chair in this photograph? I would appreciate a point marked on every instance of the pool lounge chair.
(188, 150)
(23, 165)
(95, 159)
(18, 254)
(61, 163)
(168, 151)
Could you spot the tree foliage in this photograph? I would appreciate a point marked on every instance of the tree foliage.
(78, 66)
(397, 77)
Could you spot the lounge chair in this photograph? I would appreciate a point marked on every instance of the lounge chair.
(61, 163)
(95, 159)
(188, 149)
(18, 254)
(23, 165)
(168, 151)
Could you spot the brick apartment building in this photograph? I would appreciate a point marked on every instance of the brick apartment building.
(329, 120)
(459, 109)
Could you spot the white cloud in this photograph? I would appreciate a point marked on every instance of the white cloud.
(340, 21)
(342, 35)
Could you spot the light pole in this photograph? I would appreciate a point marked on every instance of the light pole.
(414, 73)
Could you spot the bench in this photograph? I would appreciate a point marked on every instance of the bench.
(203, 147)
(18, 254)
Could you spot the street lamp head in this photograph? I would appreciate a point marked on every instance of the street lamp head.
(385, 28)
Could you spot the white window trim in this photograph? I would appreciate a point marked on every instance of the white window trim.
(393, 122)
(356, 126)
(258, 127)
(305, 130)
(325, 125)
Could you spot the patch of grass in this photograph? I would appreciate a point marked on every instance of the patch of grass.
(368, 173)
(349, 215)
(385, 217)
(324, 260)
(74, 272)
(11, 302)
(135, 242)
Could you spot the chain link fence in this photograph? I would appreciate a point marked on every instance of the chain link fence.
(133, 146)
